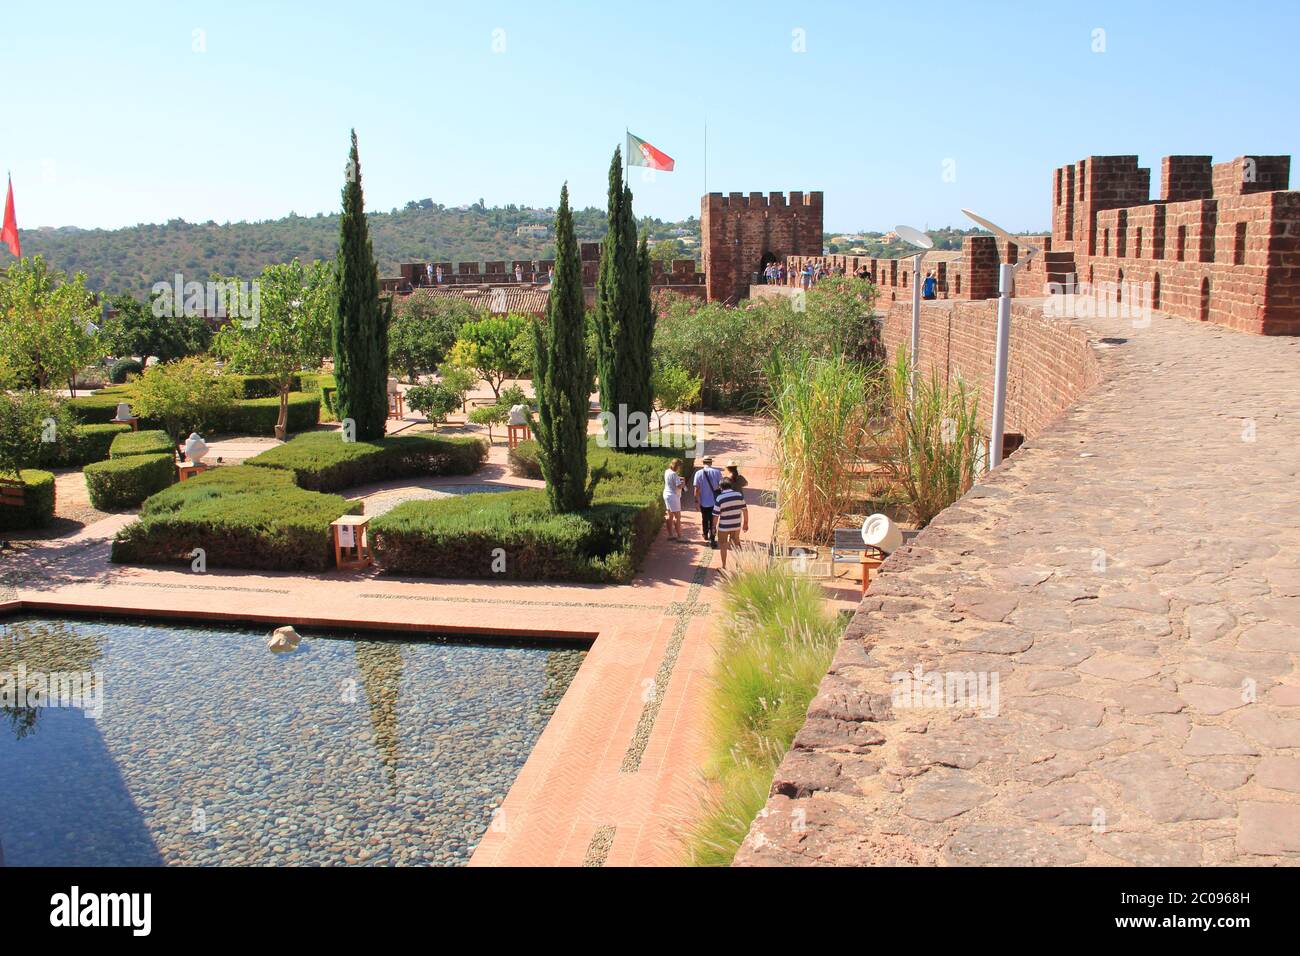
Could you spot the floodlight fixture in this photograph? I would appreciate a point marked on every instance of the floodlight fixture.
(915, 237)
(1006, 280)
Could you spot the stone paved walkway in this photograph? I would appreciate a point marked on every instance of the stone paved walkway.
(1132, 578)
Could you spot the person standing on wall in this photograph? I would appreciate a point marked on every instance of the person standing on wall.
(707, 485)
(929, 287)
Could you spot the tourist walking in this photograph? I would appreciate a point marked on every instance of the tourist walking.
(738, 481)
(929, 286)
(707, 484)
(673, 484)
(730, 517)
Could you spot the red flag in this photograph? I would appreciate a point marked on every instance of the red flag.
(9, 234)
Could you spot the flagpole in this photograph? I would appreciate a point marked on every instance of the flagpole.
(706, 157)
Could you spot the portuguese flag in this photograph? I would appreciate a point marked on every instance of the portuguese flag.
(641, 153)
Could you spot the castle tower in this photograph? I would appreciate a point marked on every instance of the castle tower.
(742, 234)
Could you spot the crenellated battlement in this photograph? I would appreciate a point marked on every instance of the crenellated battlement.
(1219, 245)
(758, 200)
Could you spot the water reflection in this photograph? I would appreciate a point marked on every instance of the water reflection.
(30, 654)
(380, 664)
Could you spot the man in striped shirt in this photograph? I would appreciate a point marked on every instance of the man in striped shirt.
(730, 517)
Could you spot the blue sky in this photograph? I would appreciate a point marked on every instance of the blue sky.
(112, 116)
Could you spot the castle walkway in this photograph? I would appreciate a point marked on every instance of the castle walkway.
(1114, 618)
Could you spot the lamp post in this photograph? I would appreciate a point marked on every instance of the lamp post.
(919, 239)
(1006, 280)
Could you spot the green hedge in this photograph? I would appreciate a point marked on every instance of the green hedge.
(38, 506)
(458, 537)
(522, 459)
(87, 443)
(242, 517)
(98, 408)
(119, 370)
(121, 483)
(322, 461)
(141, 443)
(257, 416)
(322, 384)
(251, 416)
(264, 386)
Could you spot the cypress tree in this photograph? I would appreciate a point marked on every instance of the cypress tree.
(622, 363)
(359, 332)
(645, 329)
(561, 376)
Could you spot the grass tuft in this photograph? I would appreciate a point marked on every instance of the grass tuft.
(778, 638)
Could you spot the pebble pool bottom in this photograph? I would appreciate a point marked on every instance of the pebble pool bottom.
(354, 749)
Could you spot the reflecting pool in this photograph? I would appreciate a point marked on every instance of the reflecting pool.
(209, 749)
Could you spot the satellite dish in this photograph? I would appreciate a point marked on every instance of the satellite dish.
(1002, 233)
(915, 236)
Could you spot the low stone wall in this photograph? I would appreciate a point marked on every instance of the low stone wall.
(1051, 364)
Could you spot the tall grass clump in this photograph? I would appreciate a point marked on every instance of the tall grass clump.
(777, 640)
(927, 441)
(820, 413)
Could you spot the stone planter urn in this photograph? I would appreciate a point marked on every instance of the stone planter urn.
(195, 448)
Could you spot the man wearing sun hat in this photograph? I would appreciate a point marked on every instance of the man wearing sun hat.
(707, 483)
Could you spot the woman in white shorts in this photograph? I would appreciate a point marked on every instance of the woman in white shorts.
(673, 482)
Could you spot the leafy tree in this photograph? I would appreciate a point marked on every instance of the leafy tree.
(665, 251)
(490, 346)
(290, 332)
(187, 395)
(435, 401)
(47, 324)
(561, 376)
(360, 327)
(675, 389)
(143, 329)
(458, 378)
(423, 331)
(490, 415)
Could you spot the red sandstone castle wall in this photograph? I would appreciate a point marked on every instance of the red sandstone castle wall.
(1051, 360)
(739, 231)
(1221, 245)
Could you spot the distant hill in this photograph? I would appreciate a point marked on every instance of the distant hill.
(886, 245)
(131, 260)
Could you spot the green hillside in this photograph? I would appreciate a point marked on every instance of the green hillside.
(131, 260)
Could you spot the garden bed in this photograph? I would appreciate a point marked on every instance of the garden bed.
(322, 461)
(141, 443)
(515, 536)
(242, 517)
(125, 481)
(248, 416)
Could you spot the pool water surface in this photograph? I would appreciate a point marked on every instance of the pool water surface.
(354, 749)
